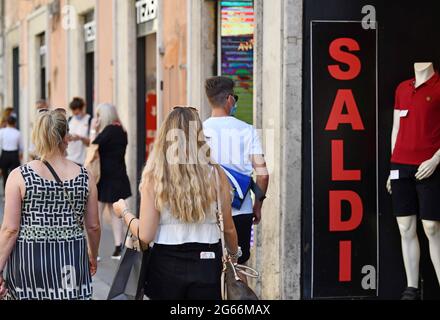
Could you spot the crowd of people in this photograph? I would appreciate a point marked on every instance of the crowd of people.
(54, 206)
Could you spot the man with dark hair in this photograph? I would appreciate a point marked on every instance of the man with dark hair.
(79, 131)
(236, 146)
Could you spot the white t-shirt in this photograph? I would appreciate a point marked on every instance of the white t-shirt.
(77, 150)
(10, 139)
(232, 143)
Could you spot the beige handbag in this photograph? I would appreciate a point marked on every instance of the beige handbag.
(93, 162)
(233, 288)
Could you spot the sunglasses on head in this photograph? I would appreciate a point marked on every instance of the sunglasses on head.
(191, 108)
(60, 110)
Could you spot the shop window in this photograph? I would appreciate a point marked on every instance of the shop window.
(236, 51)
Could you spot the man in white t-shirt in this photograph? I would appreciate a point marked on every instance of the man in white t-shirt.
(236, 145)
(79, 132)
(11, 145)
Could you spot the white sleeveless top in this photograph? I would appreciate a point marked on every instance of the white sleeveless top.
(172, 231)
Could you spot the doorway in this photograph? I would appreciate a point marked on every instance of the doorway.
(146, 98)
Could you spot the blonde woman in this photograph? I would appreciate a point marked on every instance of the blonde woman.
(43, 236)
(178, 213)
(114, 183)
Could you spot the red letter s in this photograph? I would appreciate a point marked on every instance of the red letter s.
(353, 62)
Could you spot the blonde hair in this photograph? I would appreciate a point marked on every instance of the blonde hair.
(49, 132)
(184, 188)
(107, 115)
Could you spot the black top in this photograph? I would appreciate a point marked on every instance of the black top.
(114, 183)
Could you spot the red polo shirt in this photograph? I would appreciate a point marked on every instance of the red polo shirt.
(419, 133)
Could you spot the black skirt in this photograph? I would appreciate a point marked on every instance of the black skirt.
(111, 189)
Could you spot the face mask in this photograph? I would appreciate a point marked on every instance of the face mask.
(234, 110)
(78, 117)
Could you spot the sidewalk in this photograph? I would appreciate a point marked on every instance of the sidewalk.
(106, 268)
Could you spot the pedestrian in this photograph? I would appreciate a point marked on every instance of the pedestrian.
(178, 212)
(114, 183)
(236, 145)
(44, 252)
(5, 115)
(79, 130)
(11, 144)
(39, 105)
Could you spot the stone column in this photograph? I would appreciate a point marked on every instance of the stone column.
(125, 82)
(278, 102)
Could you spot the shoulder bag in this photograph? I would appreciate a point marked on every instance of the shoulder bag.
(233, 288)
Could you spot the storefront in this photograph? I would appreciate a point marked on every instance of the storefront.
(236, 51)
(352, 67)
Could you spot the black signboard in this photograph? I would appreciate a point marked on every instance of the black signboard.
(344, 158)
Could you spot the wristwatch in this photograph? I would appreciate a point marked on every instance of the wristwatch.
(237, 255)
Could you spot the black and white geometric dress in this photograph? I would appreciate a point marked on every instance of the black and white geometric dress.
(50, 259)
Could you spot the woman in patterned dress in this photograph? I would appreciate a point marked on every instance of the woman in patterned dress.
(43, 248)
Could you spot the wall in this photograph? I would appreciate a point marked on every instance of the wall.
(104, 50)
(202, 47)
(174, 61)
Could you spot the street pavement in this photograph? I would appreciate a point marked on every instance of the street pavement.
(106, 267)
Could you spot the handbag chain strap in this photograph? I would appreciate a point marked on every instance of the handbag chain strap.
(237, 268)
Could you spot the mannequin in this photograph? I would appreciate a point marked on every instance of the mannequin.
(424, 73)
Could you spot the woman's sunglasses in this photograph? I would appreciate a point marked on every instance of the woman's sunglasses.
(191, 108)
(60, 110)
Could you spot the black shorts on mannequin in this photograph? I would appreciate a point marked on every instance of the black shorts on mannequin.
(412, 197)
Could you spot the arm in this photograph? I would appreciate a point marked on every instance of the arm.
(11, 221)
(92, 224)
(394, 134)
(260, 167)
(148, 222)
(396, 127)
(428, 167)
(229, 226)
(85, 141)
